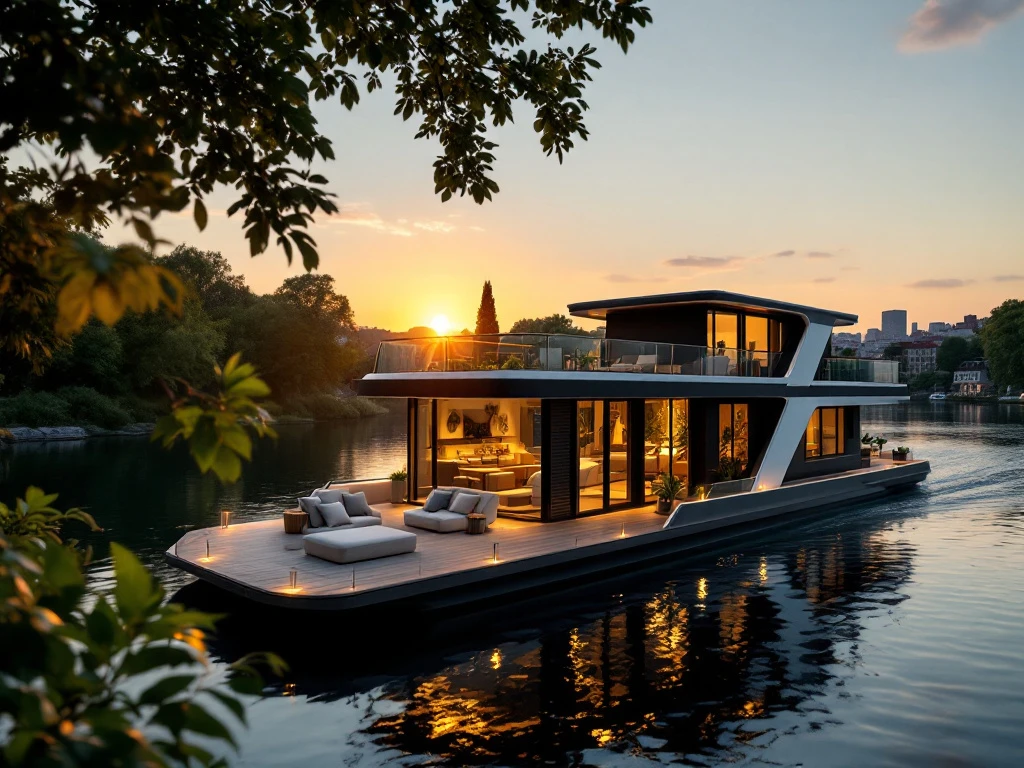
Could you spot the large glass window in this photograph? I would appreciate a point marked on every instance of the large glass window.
(756, 346)
(618, 452)
(422, 449)
(826, 433)
(733, 450)
(666, 438)
(590, 422)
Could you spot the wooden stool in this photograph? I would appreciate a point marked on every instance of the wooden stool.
(295, 520)
(476, 523)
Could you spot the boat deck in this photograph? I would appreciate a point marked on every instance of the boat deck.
(258, 557)
(254, 560)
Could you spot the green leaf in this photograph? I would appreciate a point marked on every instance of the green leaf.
(226, 465)
(198, 720)
(134, 594)
(156, 656)
(165, 689)
(238, 441)
(230, 702)
(200, 214)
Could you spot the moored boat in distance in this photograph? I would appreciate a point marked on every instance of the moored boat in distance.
(534, 460)
(937, 396)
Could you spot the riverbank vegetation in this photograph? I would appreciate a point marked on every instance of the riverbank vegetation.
(301, 338)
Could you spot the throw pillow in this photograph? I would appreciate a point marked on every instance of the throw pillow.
(308, 505)
(437, 500)
(356, 504)
(334, 513)
(464, 503)
(327, 496)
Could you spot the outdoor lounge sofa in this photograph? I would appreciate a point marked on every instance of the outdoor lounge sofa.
(377, 492)
(446, 521)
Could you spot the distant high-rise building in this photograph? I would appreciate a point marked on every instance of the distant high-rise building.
(894, 324)
(873, 334)
(913, 328)
(938, 327)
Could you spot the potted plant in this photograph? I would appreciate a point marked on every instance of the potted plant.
(879, 442)
(398, 479)
(901, 453)
(866, 441)
(667, 488)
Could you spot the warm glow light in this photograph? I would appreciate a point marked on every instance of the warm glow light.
(441, 325)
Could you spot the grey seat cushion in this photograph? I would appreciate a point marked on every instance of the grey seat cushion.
(352, 545)
(356, 522)
(356, 504)
(442, 522)
(308, 505)
(437, 500)
(334, 513)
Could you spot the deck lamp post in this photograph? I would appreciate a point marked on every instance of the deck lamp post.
(225, 518)
(293, 578)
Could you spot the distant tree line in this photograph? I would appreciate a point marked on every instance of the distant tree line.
(301, 337)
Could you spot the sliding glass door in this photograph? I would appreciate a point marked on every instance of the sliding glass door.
(604, 455)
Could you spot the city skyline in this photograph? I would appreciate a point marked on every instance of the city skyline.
(856, 158)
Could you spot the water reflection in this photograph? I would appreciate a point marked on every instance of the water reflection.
(688, 668)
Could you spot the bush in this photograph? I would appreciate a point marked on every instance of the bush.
(324, 407)
(142, 409)
(34, 409)
(87, 406)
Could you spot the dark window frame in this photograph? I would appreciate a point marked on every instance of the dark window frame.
(840, 433)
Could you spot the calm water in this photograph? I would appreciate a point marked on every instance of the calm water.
(887, 634)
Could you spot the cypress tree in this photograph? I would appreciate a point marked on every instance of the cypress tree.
(487, 315)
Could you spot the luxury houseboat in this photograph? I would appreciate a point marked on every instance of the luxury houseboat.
(555, 448)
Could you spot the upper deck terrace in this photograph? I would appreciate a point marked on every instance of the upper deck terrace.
(571, 353)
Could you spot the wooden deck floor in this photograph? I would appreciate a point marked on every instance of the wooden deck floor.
(260, 555)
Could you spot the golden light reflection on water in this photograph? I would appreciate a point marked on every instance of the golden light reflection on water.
(601, 682)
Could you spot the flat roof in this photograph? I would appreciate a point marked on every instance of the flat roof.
(598, 310)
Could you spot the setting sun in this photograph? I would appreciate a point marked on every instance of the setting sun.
(440, 324)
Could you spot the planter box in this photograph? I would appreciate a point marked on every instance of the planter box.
(900, 456)
(398, 491)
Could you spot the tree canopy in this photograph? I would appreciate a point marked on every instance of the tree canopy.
(316, 294)
(955, 350)
(551, 324)
(1003, 337)
(487, 314)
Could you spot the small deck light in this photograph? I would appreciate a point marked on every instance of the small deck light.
(494, 557)
(622, 534)
(353, 579)
(225, 518)
(207, 558)
(293, 578)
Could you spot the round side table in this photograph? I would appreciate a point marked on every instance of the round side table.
(295, 520)
(476, 523)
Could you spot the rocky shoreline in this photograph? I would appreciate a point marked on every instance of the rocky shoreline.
(40, 434)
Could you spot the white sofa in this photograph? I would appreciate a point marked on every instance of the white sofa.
(444, 521)
(376, 491)
(591, 473)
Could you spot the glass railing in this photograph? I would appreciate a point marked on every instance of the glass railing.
(543, 352)
(856, 369)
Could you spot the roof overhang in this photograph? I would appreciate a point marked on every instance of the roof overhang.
(599, 310)
(607, 386)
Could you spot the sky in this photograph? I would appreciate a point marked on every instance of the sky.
(857, 156)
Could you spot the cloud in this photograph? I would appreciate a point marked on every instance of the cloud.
(782, 254)
(823, 280)
(941, 283)
(1008, 278)
(945, 23)
(820, 255)
(441, 227)
(618, 278)
(702, 262)
(361, 215)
